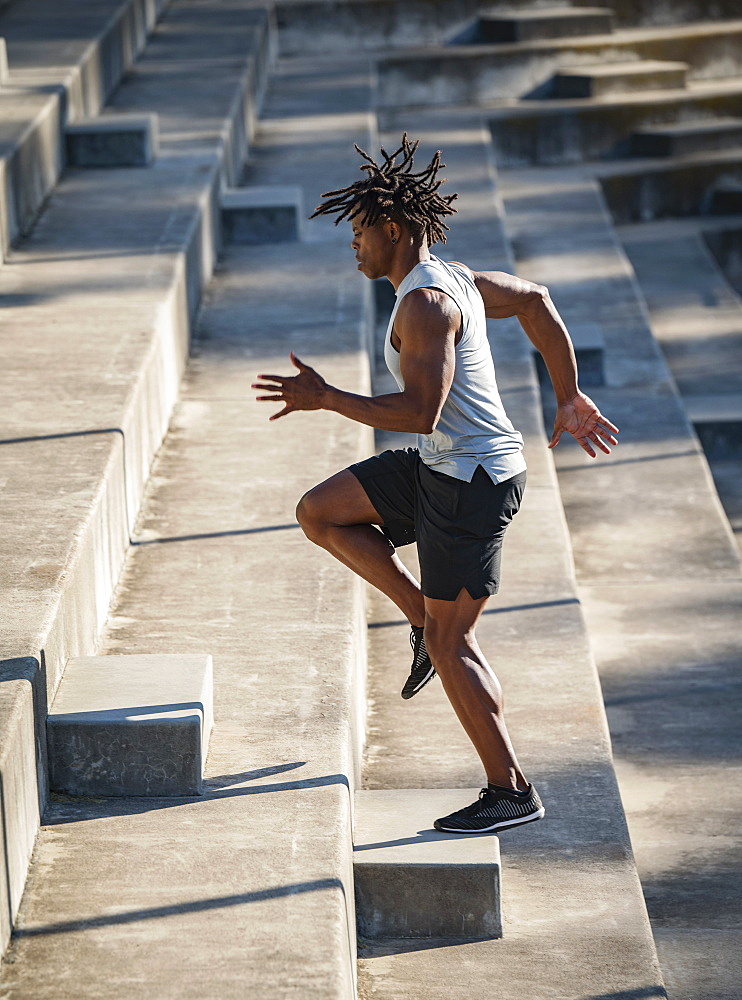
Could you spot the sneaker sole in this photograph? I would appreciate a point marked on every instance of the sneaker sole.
(428, 677)
(501, 825)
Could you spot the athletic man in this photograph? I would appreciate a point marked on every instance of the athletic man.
(457, 491)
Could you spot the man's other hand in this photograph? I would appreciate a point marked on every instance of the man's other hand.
(584, 421)
(305, 391)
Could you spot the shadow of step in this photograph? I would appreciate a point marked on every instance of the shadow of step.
(271, 213)
(681, 138)
(131, 725)
(413, 882)
(604, 79)
(718, 423)
(112, 141)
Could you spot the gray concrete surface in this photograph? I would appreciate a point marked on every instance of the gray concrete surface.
(477, 74)
(105, 363)
(263, 214)
(602, 79)
(659, 577)
(248, 889)
(574, 922)
(412, 882)
(131, 725)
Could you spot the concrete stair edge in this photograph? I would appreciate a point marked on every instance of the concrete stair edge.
(70, 623)
(82, 92)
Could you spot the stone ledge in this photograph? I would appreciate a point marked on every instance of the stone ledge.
(131, 725)
(262, 214)
(113, 141)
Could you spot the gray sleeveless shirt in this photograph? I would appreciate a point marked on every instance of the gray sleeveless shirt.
(473, 428)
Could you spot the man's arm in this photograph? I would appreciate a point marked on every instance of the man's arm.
(506, 295)
(426, 324)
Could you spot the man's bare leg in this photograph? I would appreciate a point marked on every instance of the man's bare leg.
(338, 515)
(471, 685)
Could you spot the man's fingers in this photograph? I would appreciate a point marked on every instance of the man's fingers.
(274, 378)
(606, 423)
(269, 399)
(586, 446)
(267, 387)
(555, 438)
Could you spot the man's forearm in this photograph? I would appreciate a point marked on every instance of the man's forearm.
(390, 412)
(548, 334)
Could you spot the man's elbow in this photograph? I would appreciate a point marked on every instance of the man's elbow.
(538, 299)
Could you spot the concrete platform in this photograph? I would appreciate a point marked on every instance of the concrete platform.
(412, 882)
(131, 725)
(550, 22)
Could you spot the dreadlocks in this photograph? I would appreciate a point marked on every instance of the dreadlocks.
(391, 190)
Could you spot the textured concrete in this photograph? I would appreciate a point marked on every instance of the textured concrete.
(412, 882)
(107, 363)
(679, 138)
(558, 132)
(262, 214)
(657, 566)
(554, 22)
(61, 68)
(133, 895)
(112, 141)
(131, 725)
(496, 73)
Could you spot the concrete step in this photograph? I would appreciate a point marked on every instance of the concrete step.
(112, 141)
(667, 188)
(680, 138)
(725, 243)
(618, 78)
(481, 73)
(73, 471)
(412, 882)
(718, 422)
(570, 131)
(725, 197)
(60, 69)
(545, 23)
(271, 213)
(131, 725)
(662, 615)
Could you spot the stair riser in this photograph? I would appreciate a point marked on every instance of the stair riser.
(680, 145)
(666, 194)
(502, 30)
(593, 132)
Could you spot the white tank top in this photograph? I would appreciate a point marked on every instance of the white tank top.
(473, 428)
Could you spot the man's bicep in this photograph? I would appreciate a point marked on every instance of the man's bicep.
(426, 329)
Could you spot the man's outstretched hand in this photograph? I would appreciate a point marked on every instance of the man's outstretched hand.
(584, 421)
(305, 391)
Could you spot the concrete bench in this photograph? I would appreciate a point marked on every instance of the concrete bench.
(131, 725)
(418, 883)
(271, 213)
(112, 141)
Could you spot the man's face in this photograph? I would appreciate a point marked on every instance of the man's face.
(373, 248)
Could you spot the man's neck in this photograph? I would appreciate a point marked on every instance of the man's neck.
(408, 258)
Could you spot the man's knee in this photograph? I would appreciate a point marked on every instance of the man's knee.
(445, 647)
(309, 514)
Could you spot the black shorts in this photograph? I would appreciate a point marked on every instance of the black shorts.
(458, 526)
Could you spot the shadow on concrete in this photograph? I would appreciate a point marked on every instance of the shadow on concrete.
(422, 837)
(197, 906)
(489, 611)
(213, 534)
(65, 809)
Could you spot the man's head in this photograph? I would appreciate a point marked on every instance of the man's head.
(392, 202)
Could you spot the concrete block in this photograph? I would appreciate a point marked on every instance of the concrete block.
(413, 882)
(679, 138)
(3, 61)
(545, 23)
(131, 725)
(113, 141)
(263, 214)
(611, 78)
(726, 197)
(718, 423)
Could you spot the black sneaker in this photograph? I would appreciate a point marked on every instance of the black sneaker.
(495, 809)
(422, 670)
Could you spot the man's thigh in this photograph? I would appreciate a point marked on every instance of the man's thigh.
(340, 500)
